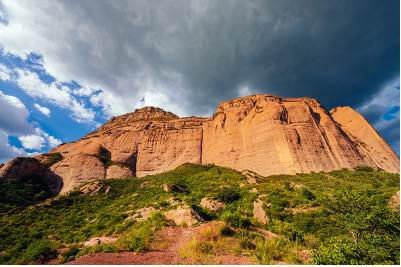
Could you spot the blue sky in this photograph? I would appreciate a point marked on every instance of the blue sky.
(66, 67)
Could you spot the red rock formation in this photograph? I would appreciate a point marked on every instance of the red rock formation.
(365, 138)
(262, 133)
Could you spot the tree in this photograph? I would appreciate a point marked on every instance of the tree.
(373, 231)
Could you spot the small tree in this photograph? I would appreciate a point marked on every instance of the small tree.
(373, 231)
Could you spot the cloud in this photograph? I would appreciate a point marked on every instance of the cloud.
(4, 73)
(8, 151)
(383, 112)
(17, 123)
(32, 138)
(38, 140)
(44, 110)
(54, 93)
(32, 142)
(188, 56)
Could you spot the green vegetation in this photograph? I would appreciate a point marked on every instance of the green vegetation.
(52, 158)
(108, 162)
(306, 212)
(373, 231)
(21, 193)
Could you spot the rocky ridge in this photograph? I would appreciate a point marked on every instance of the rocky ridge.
(262, 133)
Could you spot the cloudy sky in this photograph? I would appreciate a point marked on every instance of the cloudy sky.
(66, 67)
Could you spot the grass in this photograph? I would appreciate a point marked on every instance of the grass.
(77, 218)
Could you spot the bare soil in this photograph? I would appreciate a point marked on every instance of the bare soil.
(164, 250)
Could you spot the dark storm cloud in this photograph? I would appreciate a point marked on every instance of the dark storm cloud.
(188, 56)
(339, 52)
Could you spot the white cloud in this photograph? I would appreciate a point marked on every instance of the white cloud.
(17, 123)
(44, 110)
(38, 140)
(32, 142)
(53, 142)
(8, 151)
(50, 140)
(387, 97)
(53, 93)
(244, 91)
(4, 73)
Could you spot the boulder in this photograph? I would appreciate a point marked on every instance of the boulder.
(211, 204)
(259, 213)
(183, 214)
(21, 169)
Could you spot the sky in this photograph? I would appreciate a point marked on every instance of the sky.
(66, 67)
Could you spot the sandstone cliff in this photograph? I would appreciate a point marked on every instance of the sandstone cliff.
(262, 133)
(365, 138)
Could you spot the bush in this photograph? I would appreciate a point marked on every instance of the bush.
(52, 159)
(246, 243)
(363, 168)
(269, 250)
(39, 249)
(236, 219)
(228, 195)
(226, 230)
(311, 241)
(308, 194)
(69, 255)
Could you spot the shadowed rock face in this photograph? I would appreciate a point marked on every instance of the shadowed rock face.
(262, 133)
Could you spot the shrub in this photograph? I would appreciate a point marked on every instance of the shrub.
(311, 241)
(246, 243)
(373, 231)
(236, 219)
(70, 254)
(228, 195)
(363, 168)
(226, 230)
(39, 249)
(269, 250)
(52, 159)
(308, 194)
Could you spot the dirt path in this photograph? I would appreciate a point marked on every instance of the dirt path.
(165, 250)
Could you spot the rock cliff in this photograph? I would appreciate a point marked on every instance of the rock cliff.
(365, 138)
(262, 133)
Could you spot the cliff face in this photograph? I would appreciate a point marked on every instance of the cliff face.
(262, 133)
(365, 138)
(272, 135)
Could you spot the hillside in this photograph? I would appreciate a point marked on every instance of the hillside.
(299, 219)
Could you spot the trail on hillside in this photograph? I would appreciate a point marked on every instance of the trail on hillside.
(165, 251)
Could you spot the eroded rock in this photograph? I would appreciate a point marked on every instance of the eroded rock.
(259, 213)
(183, 215)
(211, 204)
(263, 134)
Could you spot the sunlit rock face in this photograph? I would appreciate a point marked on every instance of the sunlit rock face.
(368, 142)
(262, 133)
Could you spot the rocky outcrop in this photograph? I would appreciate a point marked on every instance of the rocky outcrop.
(263, 134)
(273, 135)
(211, 204)
(259, 213)
(366, 139)
(183, 215)
(21, 169)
